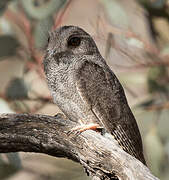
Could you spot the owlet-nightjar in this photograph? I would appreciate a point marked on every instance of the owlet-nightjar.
(86, 89)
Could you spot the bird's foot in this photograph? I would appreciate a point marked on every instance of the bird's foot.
(84, 127)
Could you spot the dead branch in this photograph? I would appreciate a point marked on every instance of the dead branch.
(99, 154)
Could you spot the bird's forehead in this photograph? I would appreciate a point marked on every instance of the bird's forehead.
(59, 37)
(65, 31)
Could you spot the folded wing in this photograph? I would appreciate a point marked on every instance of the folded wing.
(101, 90)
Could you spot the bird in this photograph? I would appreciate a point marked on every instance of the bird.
(86, 90)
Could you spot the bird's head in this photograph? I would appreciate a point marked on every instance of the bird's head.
(66, 45)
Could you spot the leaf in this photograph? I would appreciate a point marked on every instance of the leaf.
(17, 89)
(157, 79)
(10, 166)
(6, 170)
(156, 4)
(41, 9)
(116, 13)
(3, 4)
(14, 159)
(41, 32)
(8, 46)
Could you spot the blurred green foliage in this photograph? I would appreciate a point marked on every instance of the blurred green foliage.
(3, 5)
(41, 31)
(157, 79)
(41, 9)
(116, 13)
(10, 167)
(157, 4)
(17, 89)
(8, 46)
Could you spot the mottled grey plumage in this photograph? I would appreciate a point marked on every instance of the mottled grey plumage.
(85, 88)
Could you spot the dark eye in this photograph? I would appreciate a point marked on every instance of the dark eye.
(74, 41)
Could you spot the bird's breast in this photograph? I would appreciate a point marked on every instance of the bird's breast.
(70, 102)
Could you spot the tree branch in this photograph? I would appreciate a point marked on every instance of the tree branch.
(100, 155)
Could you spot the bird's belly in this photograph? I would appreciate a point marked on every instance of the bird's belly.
(74, 108)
